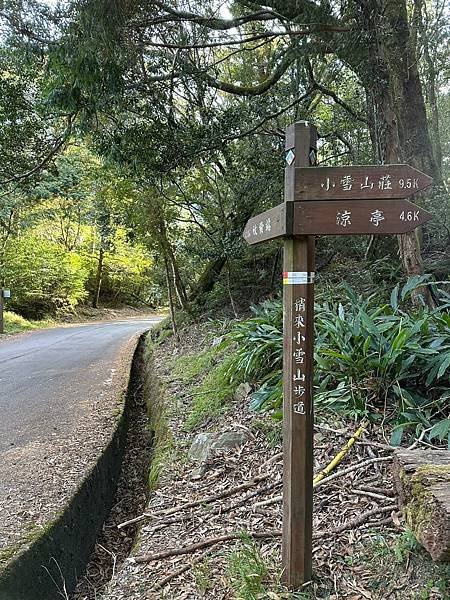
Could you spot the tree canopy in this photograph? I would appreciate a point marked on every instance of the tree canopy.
(185, 104)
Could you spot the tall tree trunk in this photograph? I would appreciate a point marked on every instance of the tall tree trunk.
(170, 297)
(400, 123)
(99, 276)
(172, 263)
(430, 77)
(208, 279)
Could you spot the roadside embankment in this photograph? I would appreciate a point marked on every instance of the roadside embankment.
(44, 558)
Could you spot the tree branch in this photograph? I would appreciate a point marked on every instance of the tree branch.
(253, 38)
(218, 23)
(333, 95)
(262, 87)
(58, 145)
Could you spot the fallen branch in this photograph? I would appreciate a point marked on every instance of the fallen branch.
(340, 455)
(145, 558)
(268, 502)
(271, 460)
(345, 471)
(219, 511)
(263, 490)
(183, 569)
(193, 504)
(364, 463)
(368, 494)
(360, 520)
(199, 559)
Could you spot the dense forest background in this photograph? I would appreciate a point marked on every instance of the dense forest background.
(137, 138)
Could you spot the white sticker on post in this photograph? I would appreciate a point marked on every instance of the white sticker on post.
(297, 277)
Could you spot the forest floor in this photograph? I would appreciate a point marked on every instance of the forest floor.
(362, 549)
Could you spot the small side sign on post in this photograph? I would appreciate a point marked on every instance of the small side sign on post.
(4, 293)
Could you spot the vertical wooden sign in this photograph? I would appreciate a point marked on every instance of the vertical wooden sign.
(298, 332)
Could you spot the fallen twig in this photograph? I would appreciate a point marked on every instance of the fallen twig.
(360, 520)
(184, 568)
(369, 494)
(340, 455)
(201, 545)
(219, 511)
(364, 463)
(205, 500)
(271, 460)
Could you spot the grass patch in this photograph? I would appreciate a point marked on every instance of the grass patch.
(210, 396)
(246, 570)
(203, 576)
(159, 405)
(253, 576)
(270, 429)
(14, 323)
(399, 562)
(158, 421)
(196, 365)
(206, 378)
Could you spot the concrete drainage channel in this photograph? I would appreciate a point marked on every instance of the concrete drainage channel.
(75, 555)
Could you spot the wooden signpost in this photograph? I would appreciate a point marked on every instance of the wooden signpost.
(319, 200)
(3, 294)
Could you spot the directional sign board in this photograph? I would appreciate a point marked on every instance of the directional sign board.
(372, 217)
(266, 226)
(359, 182)
(336, 217)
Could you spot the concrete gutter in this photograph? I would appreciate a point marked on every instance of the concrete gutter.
(47, 566)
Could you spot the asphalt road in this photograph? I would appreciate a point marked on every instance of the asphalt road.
(46, 376)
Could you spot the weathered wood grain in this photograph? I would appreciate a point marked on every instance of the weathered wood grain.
(298, 341)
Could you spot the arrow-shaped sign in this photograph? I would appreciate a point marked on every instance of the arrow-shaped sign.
(337, 217)
(268, 225)
(374, 217)
(359, 182)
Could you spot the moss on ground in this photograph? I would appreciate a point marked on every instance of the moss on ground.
(32, 535)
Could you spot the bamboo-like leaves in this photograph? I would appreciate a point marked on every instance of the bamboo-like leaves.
(369, 357)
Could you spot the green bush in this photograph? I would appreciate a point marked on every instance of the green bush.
(43, 277)
(371, 359)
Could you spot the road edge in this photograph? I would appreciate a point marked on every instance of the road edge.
(48, 564)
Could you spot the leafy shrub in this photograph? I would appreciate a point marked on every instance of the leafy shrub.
(15, 323)
(370, 358)
(43, 277)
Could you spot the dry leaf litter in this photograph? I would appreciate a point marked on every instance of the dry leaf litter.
(355, 512)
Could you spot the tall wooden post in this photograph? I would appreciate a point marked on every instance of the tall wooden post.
(298, 309)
